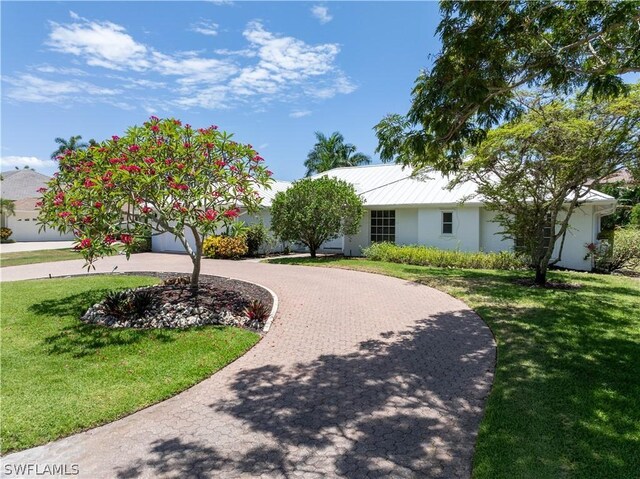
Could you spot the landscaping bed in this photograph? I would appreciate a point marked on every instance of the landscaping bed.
(174, 304)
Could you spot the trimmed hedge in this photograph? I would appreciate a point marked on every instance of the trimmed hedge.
(429, 256)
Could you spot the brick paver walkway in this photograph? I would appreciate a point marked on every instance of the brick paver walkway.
(361, 375)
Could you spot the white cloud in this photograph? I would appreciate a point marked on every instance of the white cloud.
(221, 2)
(205, 28)
(193, 69)
(282, 61)
(321, 13)
(7, 162)
(299, 113)
(46, 68)
(102, 44)
(328, 89)
(30, 88)
(245, 52)
(270, 67)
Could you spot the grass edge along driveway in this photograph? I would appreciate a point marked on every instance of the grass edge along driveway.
(60, 376)
(565, 397)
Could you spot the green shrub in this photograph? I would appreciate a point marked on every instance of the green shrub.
(5, 233)
(256, 237)
(128, 304)
(624, 254)
(634, 216)
(429, 256)
(225, 247)
(141, 245)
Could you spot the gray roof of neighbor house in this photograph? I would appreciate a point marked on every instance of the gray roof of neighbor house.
(20, 184)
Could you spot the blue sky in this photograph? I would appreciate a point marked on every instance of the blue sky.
(270, 72)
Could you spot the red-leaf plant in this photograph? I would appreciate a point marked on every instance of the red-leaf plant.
(159, 177)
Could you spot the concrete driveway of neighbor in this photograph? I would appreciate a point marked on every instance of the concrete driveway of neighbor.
(34, 246)
(361, 375)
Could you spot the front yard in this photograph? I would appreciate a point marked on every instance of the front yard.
(60, 375)
(565, 397)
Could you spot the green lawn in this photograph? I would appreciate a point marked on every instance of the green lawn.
(42, 256)
(566, 396)
(60, 375)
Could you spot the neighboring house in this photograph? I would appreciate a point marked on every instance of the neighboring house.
(410, 210)
(621, 176)
(21, 186)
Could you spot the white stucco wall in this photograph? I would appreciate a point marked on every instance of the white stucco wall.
(24, 225)
(490, 238)
(466, 228)
(473, 230)
(583, 229)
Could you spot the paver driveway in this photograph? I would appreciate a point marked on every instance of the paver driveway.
(361, 375)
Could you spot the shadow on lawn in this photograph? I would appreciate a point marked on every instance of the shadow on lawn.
(82, 339)
(406, 404)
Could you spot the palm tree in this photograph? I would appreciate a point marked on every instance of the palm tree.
(72, 144)
(332, 152)
(7, 208)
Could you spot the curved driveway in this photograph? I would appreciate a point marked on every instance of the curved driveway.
(361, 375)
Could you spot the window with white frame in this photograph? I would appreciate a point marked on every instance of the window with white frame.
(447, 222)
(383, 226)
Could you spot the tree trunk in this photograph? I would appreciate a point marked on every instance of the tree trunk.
(541, 275)
(195, 275)
(312, 251)
(196, 258)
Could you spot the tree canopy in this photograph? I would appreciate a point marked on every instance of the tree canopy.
(72, 144)
(159, 177)
(313, 211)
(536, 170)
(489, 50)
(332, 152)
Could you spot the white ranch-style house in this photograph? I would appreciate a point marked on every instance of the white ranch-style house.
(409, 210)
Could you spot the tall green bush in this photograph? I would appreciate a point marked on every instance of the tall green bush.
(257, 235)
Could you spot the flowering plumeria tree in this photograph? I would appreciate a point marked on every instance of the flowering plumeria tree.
(159, 177)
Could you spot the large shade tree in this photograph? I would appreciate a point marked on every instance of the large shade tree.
(332, 152)
(160, 177)
(313, 211)
(537, 170)
(74, 143)
(489, 50)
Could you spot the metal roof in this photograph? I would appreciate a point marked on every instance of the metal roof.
(395, 185)
(268, 195)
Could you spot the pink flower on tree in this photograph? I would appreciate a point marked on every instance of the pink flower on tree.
(210, 215)
(232, 213)
(126, 238)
